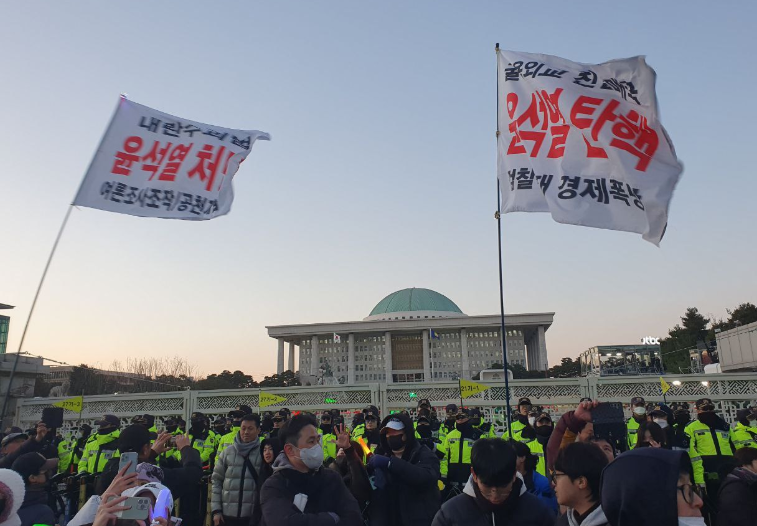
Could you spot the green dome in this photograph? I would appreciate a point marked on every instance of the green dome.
(409, 300)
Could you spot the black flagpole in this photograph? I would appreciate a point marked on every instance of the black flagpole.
(501, 286)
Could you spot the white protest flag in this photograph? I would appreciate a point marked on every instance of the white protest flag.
(337, 338)
(584, 142)
(153, 164)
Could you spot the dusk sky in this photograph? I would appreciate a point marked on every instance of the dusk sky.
(380, 175)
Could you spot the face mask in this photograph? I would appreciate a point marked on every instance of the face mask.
(198, 424)
(171, 429)
(104, 431)
(312, 457)
(660, 422)
(395, 442)
(460, 426)
(424, 431)
(682, 418)
(326, 428)
(691, 521)
(523, 419)
(531, 420)
(639, 411)
(544, 431)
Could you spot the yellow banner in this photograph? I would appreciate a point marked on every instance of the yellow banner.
(468, 388)
(267, 399)
(665, 385)
(74, 404)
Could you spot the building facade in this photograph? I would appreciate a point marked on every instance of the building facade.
(5, 323)
(412, 335)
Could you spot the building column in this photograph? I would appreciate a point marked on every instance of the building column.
(280, 363)
(541, 345)
(351, 359)
(291, 356)
(314, 356)
(426, 357)
(464, 354)
(388, 356)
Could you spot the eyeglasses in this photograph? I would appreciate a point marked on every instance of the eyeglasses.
(688, 491)
(554, 475)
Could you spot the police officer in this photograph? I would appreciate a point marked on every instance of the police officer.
(370, 435)
(710, 447)
(360, 428)
(639, 415)
(520, 419)
(65, 452)
(328, 437)
(486, 428)
(278, 422)
(102, 447)
(456, 450)
(449, 423)
(743, 433)
(681, 418)
(219, 426)
(201, 438)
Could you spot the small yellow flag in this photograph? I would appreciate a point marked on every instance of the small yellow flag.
(74, 404)
(468, 388)
(267, 399)
(665, 385)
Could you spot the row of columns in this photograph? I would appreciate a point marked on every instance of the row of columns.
(537, 353)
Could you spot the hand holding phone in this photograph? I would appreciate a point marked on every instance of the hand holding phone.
(138, 508)
(128, 461)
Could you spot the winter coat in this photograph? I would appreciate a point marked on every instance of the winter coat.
(737, 499)
(411, 494)
(326, 497)
(595, 518)
(540, 487)
(464, 510)
(236, 489)
(30, 446)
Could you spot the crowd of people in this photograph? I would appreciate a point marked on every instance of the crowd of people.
(663, 466)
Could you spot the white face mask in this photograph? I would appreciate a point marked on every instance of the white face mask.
(639, 411)
(660, 422)
(531, 420)
(691, 521)
(312, 457)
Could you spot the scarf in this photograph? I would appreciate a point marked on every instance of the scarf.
(244, 448)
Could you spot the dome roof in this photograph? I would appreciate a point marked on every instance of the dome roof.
(414, 301)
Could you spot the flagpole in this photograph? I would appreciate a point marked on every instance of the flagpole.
(501, 285)
(55, 246)
(460, 390)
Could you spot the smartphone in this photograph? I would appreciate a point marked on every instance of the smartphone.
(608, 413)
(139, 508)
(163, 502)
(125, 459)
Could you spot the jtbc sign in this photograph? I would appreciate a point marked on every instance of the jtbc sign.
(648, 340)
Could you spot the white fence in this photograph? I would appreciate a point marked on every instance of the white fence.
(729, 392)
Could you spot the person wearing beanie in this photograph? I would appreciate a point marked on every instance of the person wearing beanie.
(12, 491)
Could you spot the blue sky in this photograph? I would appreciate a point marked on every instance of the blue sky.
(380, 174)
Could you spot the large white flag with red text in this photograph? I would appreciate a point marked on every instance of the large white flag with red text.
(153, 164)
(584, 142)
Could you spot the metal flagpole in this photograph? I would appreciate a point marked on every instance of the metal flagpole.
(50, 258)
(501, 286)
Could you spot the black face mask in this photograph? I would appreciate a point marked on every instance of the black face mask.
(373, 436)
(396, 442)
(171, 429)
(523, 419)
(682, 418)
(326, 428)
(105, 430)
(424, 431)
(544, 431)
(463, 426)
(198, 425)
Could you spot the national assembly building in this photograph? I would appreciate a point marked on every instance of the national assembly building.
(412, 335)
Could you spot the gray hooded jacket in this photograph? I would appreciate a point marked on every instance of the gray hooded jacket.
(235, 492)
